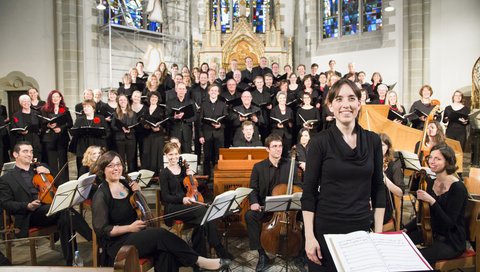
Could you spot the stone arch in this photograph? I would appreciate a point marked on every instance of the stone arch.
(17, 80)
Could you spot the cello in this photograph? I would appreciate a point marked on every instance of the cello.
(283, 234)
(140, 205)
(191, 185)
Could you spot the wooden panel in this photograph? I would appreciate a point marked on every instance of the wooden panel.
(240, 158)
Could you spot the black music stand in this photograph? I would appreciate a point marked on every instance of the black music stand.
(68, 195)
(284, 203)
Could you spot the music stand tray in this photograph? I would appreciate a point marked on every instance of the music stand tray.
(283, 203)
(225, 204)
(70, 194)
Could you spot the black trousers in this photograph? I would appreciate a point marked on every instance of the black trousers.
(183, 131)
(194, 216)
(254, 227)
(127, 150)
(168, 250)
(332, 227)
(211, 148)
(39, 218)
(439, 250)
(57, 157)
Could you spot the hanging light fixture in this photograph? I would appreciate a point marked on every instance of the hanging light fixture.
(100, 5)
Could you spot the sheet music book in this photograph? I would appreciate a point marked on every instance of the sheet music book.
(153, 121)
(19, 129)
(280, 121)
(281, 203)
(308, 122)
(246, 115)
(119, 124)
(59, 120)
(390, 87)
(455, 116)
(293, 102)
(71, 193)
(409, 160)
(213, 120)
(224, 202)
(393, 115)
(105, 112)
(88, 131)
(362, 251)
(263, 105)
(188, 111)
(232, 102)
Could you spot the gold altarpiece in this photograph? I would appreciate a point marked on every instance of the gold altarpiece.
(219, 48)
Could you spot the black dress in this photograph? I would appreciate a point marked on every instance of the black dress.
(108, 111)
(286, 131)
(349, 180)
(153, 142)
(425, 108)
(22, 120)
(168, 250)
(395, 174)
(455, 129)
(304, 115)
(126, 142)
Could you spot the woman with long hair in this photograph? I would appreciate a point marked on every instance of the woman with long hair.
(308, 116)
(37, 102)
(424, 105)
(124, 134)
(281, 122)
(396, 106)
(55, 136)
(310, 89)
(376, 80)
(434, 136)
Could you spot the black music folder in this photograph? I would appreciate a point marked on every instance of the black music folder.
(280, 121)
(119, 124)
(188, 111)
(20, 129)
(210, 121)
(153, 121)
(455, 116)
(247, 114)
(232, 102)
(59, 120)
(88, 131)
(308, 122)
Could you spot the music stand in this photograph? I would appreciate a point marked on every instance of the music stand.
(143, 177)
(284, 203)
(68, 195)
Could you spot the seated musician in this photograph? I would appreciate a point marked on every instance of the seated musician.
(19, 197)
(175, 200)
(447, 198)
(393, 176)
(434, 136)
(265, 175)
(116, 224)
(248, 136)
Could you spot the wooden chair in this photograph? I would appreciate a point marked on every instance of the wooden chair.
(127, 260)
(34, 234)
(469, 258)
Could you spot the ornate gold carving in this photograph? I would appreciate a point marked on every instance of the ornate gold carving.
(476, 85)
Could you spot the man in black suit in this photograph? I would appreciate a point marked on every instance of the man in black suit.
(265, 176)
(211, 133)
(247, 74)
(181, 124)
(19, 197)
(248, 137)
(262, 69)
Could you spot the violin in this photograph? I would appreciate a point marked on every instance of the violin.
(283, 234)
(140, 205)
(45, 185)
(191, 185)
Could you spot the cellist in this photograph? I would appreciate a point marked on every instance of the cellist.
(447, 198)
(20, 198)
(265, 175)
(176, 201)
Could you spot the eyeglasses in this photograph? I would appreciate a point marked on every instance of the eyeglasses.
(115, 165)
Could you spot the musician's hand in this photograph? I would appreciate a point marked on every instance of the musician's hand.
(188, 200)
(463, 120)
(125, 130)
(424, 196)
(398, 121)
(42, 170)
(52, 125)
(217, 125)
(137, 226)
(312, 249)
(279, 125)
(255, 207)
(422, 118)
(32, 206)
(241, 118)
(108, 119)
(270, 107)
(178, 115)
(135, 186)
(202, 140)
(24, 132)
(318, 105)
(254, 119)
(302, 165)
(57, 130)
(156, 129)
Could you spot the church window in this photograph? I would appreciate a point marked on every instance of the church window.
(256, 11)
(129, 13)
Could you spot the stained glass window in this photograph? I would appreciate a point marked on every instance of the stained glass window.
(129, 13)
(349, 17)
(260, 9)
(372, 18)
(225, 16)
(330, 19)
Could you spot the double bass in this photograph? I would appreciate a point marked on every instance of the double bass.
(283, 234)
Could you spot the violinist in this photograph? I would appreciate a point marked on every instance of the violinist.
(346, 163)
(115, 223)
(265, 175)
(19, 197)
(435, 136)
(55, 136)
(447, 198)
(25, 126)
(175, 200)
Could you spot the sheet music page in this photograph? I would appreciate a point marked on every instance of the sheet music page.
(219, 206)
(398, 252)
(354, 252)
(240, 193)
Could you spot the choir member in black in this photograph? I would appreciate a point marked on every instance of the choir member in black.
(172, 94)
(107, 110)
(198, 95)
(4, 139)
(301, 73)
(457, 126)
(212, 77)
(294, 86)
(90, 119)
(97, 98)
(395, 105)
(247, 138)
(381, 98)
(435, 136)
(139, 108)
(175, 200)
(347, 162)
(261, 98)
(243, 86)
(55, 136)
(247, 108)
(90, 156)
(447, 197)
(125, 141)
(87, 95)
(181, 126)
(265, 176)
(19, 197)
(204, 67)
(292, 98)
(376, 81)
(276, 72)
(307, 87)
(287, 69)
(134, 75)
(28, 118)
(233, 66)
(332, 71)
(153, 141)
(222, 76)
(269, 85)
(424, 105)
(247, 74)
(282, 121)
(314, 75)
(212, 133)
(152, 85)
(187, 80)
(37, 102)
(303, 140)
(115, 223)
(392, 177)
(231, 93)
(308, 116)
(363, 97)
(262, 69)
(126, 87)
(322, 85)
(142, 76)
(362, 79)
